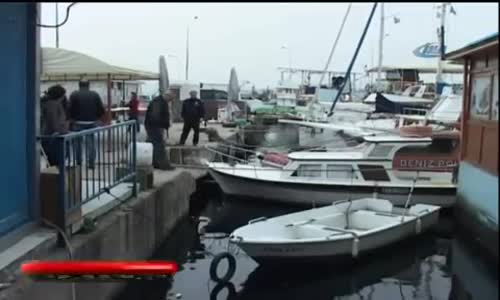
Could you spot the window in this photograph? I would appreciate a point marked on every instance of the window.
(374, 173)
(220, 95)
(480, 95)
(381, 151)
(340, 172)
(494, 108)
(308, 171)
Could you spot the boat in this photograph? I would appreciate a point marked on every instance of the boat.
(346, 229)
(388, 165)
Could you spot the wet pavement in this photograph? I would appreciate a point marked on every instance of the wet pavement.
(435, 265)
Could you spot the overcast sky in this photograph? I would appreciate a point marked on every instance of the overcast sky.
(249, 36)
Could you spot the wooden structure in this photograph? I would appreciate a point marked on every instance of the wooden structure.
(477, 192)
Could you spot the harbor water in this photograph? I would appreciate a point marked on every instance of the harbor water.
(438, 264)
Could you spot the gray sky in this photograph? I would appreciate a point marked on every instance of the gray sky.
(249, 36)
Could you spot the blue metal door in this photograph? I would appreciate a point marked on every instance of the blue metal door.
(15, 90)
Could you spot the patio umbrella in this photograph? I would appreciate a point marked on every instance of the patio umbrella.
(164, 83)
(233, 92)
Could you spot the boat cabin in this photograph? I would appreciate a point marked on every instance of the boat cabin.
(378, 158)
(477, 201)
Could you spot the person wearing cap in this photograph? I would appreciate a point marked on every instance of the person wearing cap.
(53, 117)
(157, 120)
(193, 111)
(85, 111)
(133, 113)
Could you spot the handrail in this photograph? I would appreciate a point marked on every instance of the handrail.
(342, 230)
(85, 132)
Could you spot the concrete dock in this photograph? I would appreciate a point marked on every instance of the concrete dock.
(130, 230)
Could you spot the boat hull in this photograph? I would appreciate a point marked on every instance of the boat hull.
(335, 251)
(320, 195)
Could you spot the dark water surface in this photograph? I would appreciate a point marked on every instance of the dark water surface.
(435, 265)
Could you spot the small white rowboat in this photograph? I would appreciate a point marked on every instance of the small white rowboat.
(344, 229)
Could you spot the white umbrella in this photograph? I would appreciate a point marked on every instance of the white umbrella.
(233, 92)
(164, 83)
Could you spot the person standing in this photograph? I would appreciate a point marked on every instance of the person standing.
(85, 111)
(133, 113)
(53, 117)
(193, 111)
(157, 120)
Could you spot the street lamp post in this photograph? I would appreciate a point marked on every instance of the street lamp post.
(57, 22)
(187, 49)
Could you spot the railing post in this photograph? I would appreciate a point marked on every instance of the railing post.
(134, 159)
(62, 200)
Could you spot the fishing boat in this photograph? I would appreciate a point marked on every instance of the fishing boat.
(345, 229)
(388, 165)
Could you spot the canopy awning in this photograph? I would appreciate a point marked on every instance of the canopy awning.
(66, 65)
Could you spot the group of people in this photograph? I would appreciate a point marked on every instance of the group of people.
(85, 110)
(158, 120)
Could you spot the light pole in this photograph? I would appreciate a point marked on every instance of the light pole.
(285, 47)
(381, 43)
(57, 22)
(187, 48)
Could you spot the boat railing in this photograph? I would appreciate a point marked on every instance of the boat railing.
(355, 241)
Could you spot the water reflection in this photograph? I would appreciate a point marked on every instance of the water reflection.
(426, 267)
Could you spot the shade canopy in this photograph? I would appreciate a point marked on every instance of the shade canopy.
(422, 68)
(66, 65)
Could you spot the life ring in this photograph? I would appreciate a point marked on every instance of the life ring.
(231, 291)
(215, 263)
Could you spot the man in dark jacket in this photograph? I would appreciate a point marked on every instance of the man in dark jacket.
(53, 118)
(157, 120)
(85, 111)
(193, 111)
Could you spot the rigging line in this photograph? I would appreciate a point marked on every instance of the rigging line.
(333, 48)
(348, 73)
(63, 22)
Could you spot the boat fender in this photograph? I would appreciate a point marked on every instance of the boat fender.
(418, 226)
(215, 264)
(231, 291)
(355, 247)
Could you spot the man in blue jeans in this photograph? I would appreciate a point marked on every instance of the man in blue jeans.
(85, 111)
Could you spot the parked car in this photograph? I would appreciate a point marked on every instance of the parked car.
(214, 99)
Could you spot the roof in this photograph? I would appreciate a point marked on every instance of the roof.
(328, 155)
(471, 48)
(395, 139)
(61, 64)
(429, 67)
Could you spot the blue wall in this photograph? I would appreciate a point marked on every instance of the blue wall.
(18, 104)
(479, 190)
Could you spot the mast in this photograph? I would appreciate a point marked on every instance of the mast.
(441, 42)
(380, 47)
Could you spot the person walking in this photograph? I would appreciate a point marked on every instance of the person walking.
(133, 113)
(157, 120)
(193, 111)
(85, 111)
(53, 117)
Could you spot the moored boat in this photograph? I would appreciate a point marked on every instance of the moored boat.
(346, 229)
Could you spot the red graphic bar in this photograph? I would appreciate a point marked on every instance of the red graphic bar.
(76, 268)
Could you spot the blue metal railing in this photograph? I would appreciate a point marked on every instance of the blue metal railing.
(91, 162)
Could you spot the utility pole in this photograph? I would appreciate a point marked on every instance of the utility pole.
(57, 22)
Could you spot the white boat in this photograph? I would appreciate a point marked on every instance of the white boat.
(345, 229)
(387, 165)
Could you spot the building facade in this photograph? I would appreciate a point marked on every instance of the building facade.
(477, 205)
